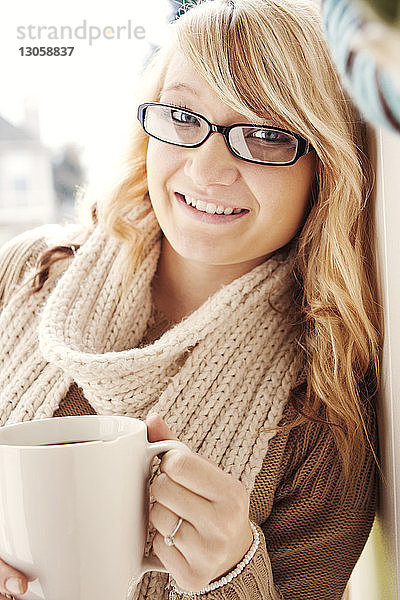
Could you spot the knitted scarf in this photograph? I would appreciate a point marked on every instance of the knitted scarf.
(219, 378)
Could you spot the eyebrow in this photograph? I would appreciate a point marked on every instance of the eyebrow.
(183, 86)
(178, 87)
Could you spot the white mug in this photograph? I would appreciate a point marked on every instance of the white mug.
(74, 516)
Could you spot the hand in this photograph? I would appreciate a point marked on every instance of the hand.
(10, 576)
(215, 533)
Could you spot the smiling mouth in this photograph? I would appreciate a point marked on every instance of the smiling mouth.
(209, 207)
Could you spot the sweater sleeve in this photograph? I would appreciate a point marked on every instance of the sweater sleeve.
(310, 541)
(19, 255)
(313, 537)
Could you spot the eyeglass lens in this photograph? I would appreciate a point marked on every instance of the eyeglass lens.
(177, 126)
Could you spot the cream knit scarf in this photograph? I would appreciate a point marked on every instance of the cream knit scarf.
(218, 377)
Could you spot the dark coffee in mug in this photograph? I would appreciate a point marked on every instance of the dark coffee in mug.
(62, 443)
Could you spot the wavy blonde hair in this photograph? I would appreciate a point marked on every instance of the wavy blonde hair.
(268, 58)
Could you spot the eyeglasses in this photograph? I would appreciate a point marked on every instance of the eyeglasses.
(252, 143)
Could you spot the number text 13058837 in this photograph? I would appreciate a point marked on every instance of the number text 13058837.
(46, 50)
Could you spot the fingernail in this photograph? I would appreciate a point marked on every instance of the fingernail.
(14, 585)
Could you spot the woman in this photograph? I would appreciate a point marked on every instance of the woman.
(225, 291)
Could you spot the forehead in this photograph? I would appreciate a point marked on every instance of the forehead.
(181, 71)
(183, 83)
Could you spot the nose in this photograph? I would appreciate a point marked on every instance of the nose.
(211, 163)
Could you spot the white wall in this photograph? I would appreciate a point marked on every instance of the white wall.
(377, 574)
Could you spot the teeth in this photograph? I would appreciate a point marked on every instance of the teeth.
(210, 208)
(200, 205)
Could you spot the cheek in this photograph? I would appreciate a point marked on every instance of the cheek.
(153, 162)
(284, 200)
(161, 162)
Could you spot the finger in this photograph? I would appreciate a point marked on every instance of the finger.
(165, 521)
(173, 560)
(157, 429)
(196, 473)
(11, 580)
(192, 508)
(187, 539)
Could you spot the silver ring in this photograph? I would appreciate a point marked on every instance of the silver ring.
(169, 539)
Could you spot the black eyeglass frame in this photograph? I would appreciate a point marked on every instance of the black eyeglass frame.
(303, 145)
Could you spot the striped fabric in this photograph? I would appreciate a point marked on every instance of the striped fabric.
(367, 57)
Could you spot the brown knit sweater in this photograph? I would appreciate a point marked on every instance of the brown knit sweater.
(312, 540)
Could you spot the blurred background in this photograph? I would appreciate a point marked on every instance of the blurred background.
(64, 119)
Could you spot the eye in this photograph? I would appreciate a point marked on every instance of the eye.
(267, 135)
(182, 116)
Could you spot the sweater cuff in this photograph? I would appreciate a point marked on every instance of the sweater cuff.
(255, 582)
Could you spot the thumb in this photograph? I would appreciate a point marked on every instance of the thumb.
(157, 429)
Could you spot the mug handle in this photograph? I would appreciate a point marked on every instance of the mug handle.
(153, 563)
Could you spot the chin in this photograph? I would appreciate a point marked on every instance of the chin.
(209, 258)
(202, 253)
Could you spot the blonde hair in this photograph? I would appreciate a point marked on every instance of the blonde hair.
(269, 58)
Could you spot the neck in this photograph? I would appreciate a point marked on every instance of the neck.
(182, 285)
